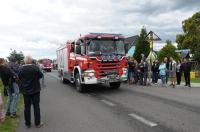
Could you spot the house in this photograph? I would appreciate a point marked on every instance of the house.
(130, 43)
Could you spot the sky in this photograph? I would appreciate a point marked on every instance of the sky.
(39, 27)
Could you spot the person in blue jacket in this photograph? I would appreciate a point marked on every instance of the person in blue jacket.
(162, 72)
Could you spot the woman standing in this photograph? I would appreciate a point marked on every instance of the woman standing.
(130, 70)
(162, 69)
(178, 72)
(149, 74)
(136, 76)
(172, 71)
(155, 71)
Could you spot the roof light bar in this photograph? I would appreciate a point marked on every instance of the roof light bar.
(106, 34)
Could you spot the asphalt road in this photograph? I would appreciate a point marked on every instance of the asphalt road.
(129, 109)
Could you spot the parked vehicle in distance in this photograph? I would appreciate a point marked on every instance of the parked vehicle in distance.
(47, 66)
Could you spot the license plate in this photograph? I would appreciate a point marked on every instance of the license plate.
(112, 78)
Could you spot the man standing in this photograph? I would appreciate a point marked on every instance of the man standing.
(155, 71)
(143, 72)
(167, 68)
(172, 71)
(30, 75)
(186, 67)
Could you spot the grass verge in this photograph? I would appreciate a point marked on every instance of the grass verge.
(196, 80)
(10, 124)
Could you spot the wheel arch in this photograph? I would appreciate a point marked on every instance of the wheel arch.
(77, 69)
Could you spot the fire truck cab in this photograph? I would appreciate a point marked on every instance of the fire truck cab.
(92, 59)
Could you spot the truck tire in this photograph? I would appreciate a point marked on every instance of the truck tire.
(115, 85)
(78, 85)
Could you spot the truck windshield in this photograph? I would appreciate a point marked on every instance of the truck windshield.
(98, 47)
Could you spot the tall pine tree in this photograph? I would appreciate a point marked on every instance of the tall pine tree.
(142, 46)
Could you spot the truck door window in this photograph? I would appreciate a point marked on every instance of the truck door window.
(78, 47)
(83, 48)
(72, 47)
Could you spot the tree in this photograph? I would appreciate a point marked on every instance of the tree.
(191, 37)
(14, 56)
(142, 46)
(169, 50)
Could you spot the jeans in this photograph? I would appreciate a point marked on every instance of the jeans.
(13, 99)
(163, 79)
(155, 77)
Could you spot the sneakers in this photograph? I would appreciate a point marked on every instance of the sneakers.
(40, 125)
(14, 115)
(8, 114)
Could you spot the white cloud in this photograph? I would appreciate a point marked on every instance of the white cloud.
(38, 27)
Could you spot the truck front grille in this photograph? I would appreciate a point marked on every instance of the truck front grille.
(108, 68)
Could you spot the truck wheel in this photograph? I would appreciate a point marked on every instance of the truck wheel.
(78, 85)
(115, 85)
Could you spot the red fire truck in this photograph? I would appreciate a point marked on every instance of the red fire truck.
(92, 59)
(46, 64)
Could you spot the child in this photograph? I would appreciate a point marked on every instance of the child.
(2, 115)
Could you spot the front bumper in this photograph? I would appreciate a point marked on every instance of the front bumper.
(106, 79)
(47, 68)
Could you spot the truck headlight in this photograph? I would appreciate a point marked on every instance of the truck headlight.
(89, 73)
(125, 71)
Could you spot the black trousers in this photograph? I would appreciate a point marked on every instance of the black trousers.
(187, 78)
(178, 77)
(35, 100)
(143, 78)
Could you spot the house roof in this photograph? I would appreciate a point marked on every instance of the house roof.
(131, 40)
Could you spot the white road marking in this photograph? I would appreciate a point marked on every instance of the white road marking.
(143, 120)
(108, 102)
